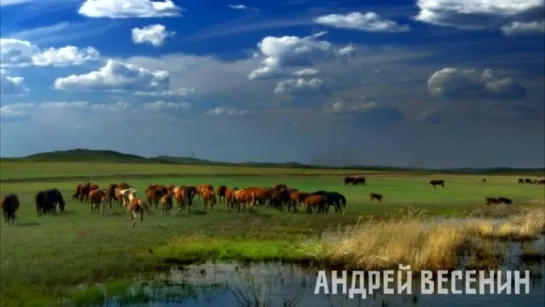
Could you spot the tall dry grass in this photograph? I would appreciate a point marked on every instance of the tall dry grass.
(381, 244)
(526, 226)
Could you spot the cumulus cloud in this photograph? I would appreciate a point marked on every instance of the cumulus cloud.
(154, 35)
(174, 92)
(291, 85)
(280, 52)
(11, 85)
(129, 9)
(226, 111)
(306, 72)
(482, 14)
(115, 75)
(21, 53)
(369, 22)
(470, 83)
(162, 105)
(524, 28)
(266, 73)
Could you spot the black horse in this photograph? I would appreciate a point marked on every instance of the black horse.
(335, 199)
(46, 201)
(10, 204)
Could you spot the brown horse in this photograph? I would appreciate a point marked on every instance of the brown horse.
(316, 201)
(166, 203)
(82, 192)
(97, 200)
(137, 206)
(221, 191)
(209, 198)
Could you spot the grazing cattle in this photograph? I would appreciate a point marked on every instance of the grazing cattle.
(209, 198)
(46, 201)
(359, 179)
(348, 180)
(167, 203)
(505, 200)
(82, 192)
(10, 204)
(492, 201)
(221, 191)
(97, 199)
(317, 202)
(521, 181)
(136, 206)
(376, 196)
(437, 182)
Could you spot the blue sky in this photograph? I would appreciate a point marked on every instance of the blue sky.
(428, 83)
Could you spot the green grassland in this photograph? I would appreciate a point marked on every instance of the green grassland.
(43, 257)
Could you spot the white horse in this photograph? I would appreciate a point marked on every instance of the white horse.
(126, 195)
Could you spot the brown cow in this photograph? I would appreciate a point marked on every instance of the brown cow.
(97, 200)
(492, 201)
(10, 204)
(208, 197)
(221, 191)
(137, 206)
(166, 203)
(376, 196)
(437, 182)
(316, 201)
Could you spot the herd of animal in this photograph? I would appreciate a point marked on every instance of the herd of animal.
(280, 197)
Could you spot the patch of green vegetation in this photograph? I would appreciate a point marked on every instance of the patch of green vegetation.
(42, 256)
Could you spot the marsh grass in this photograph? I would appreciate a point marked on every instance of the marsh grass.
(528, 225)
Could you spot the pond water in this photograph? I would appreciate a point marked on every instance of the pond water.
(275, 284)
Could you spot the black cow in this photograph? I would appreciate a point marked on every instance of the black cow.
(10, 204)
(437, 182)
(46, 201)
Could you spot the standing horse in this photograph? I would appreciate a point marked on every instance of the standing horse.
(136, 206)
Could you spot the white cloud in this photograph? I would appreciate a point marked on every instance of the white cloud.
(479, 14)
(129, 9)
(21, 53)
(116, 75)
(524, 28)
(266, 72)
(226, 111)
(290, 85)
(306, 72)
(470, 83)
(280, 52)
(161, 104)
(241, 7)
(154, 35)
(175, 92)
(10, 85)
(13, 2)
(369, 22)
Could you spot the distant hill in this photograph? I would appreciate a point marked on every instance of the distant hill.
(110, 156)
(86, 155)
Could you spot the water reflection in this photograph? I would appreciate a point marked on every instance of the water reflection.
(220, 285)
